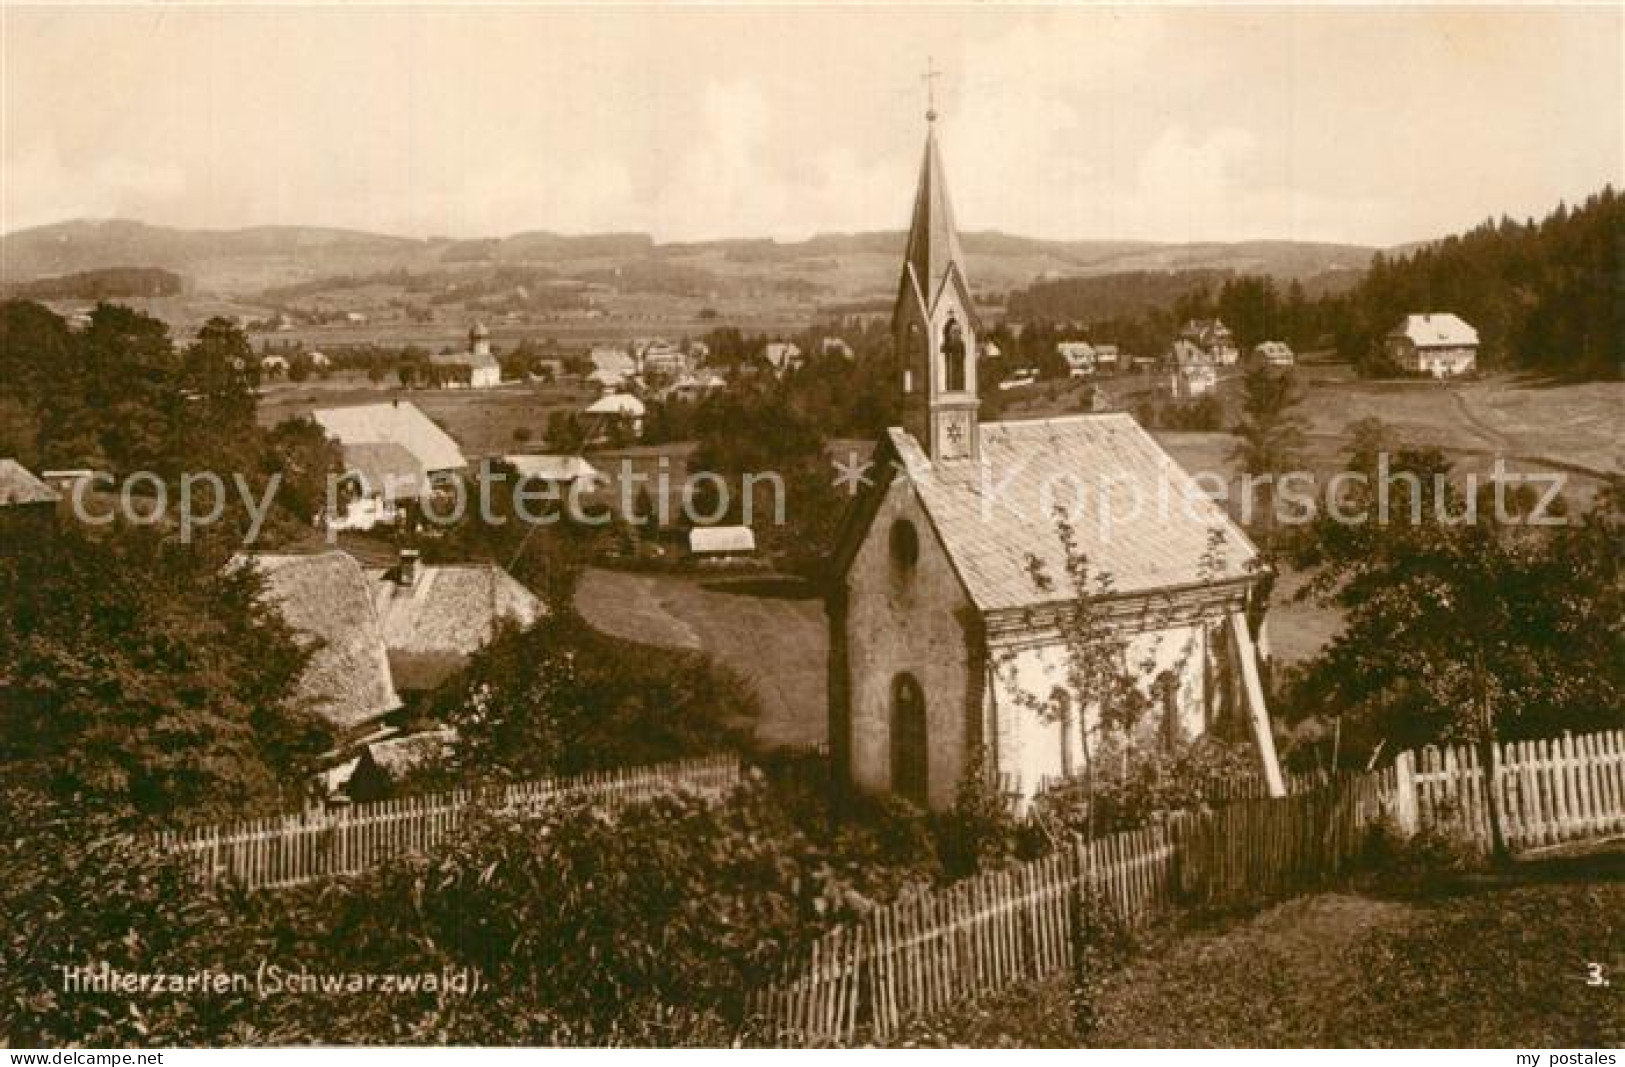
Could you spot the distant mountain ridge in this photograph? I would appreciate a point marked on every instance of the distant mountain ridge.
(249, 260)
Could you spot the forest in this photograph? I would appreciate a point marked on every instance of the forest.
(1543, 296)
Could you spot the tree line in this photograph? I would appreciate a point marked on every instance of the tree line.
(1542, 295)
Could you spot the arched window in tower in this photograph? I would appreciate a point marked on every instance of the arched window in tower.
(953, 355)
(909, 775)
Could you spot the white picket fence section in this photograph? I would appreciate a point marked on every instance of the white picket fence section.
(1550, 791)
(289, 850)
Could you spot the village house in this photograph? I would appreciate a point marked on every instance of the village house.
(377, 633)
(945, 612)
(565, 474)
(1079, 357)
(380, 478)
(393, 454)
(1273, 354)
(1436, 343)
(611, 413)
(1214, 338)
(782, 356)
(1191, 373)
(1106, 357)
(399, 422)
(27, 504)
(613, 360)
(475, 368)
(326, 599)
(663, 358)
(837, 347)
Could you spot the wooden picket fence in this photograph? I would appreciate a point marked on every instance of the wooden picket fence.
(926, 952)
(289, 850)
(1550, 791)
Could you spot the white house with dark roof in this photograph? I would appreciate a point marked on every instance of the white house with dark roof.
(951, 582)
(1436, 343)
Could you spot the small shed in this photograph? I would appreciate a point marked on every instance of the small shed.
(721, 544)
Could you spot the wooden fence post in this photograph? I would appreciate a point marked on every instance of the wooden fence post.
(1405, 791)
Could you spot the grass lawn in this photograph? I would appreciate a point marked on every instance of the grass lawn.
(1500, 967)
(483, 421)
(769, 631)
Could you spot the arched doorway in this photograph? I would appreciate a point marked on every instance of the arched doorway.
(909, 775)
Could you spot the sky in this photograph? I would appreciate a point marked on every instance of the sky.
(1373, 126)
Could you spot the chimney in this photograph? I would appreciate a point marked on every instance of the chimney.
(406, 573)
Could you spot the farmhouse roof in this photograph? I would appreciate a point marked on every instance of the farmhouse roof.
(617, 404)
(387, 470)
(720, 539)
(325, 598)
(1436, 329)
(1137, 517)
(612, 359)
(397, 422)
(553, 468)
(472, 360)
(450, 611)
(18, 486)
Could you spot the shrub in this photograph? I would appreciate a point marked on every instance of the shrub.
(1427, 863)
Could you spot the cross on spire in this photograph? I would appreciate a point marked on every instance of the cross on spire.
(930, 78)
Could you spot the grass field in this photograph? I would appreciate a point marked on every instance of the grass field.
(483, 421)
(769, 631)
(1497, 967)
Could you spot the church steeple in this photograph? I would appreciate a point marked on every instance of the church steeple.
(933, 325)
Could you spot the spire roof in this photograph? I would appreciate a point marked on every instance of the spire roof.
(933, 242)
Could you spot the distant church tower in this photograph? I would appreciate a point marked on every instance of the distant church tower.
(934, 325)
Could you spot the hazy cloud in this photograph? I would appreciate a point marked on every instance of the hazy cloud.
(1372, 125)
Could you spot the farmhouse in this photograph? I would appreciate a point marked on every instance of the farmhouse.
(564, 472)
(434, 616)
(1106, 356)
(782, 356)
(327, 600)
(382, 477)
(1214, 338)
(1191, 371)
(1436, 343)
(947, 649)
(1273, 354)
(662, 357)
(398, 423)
(476, 368)
(1079, 357)
(613, 361)
(614, 411)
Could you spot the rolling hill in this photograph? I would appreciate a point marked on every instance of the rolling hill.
(247, 262)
